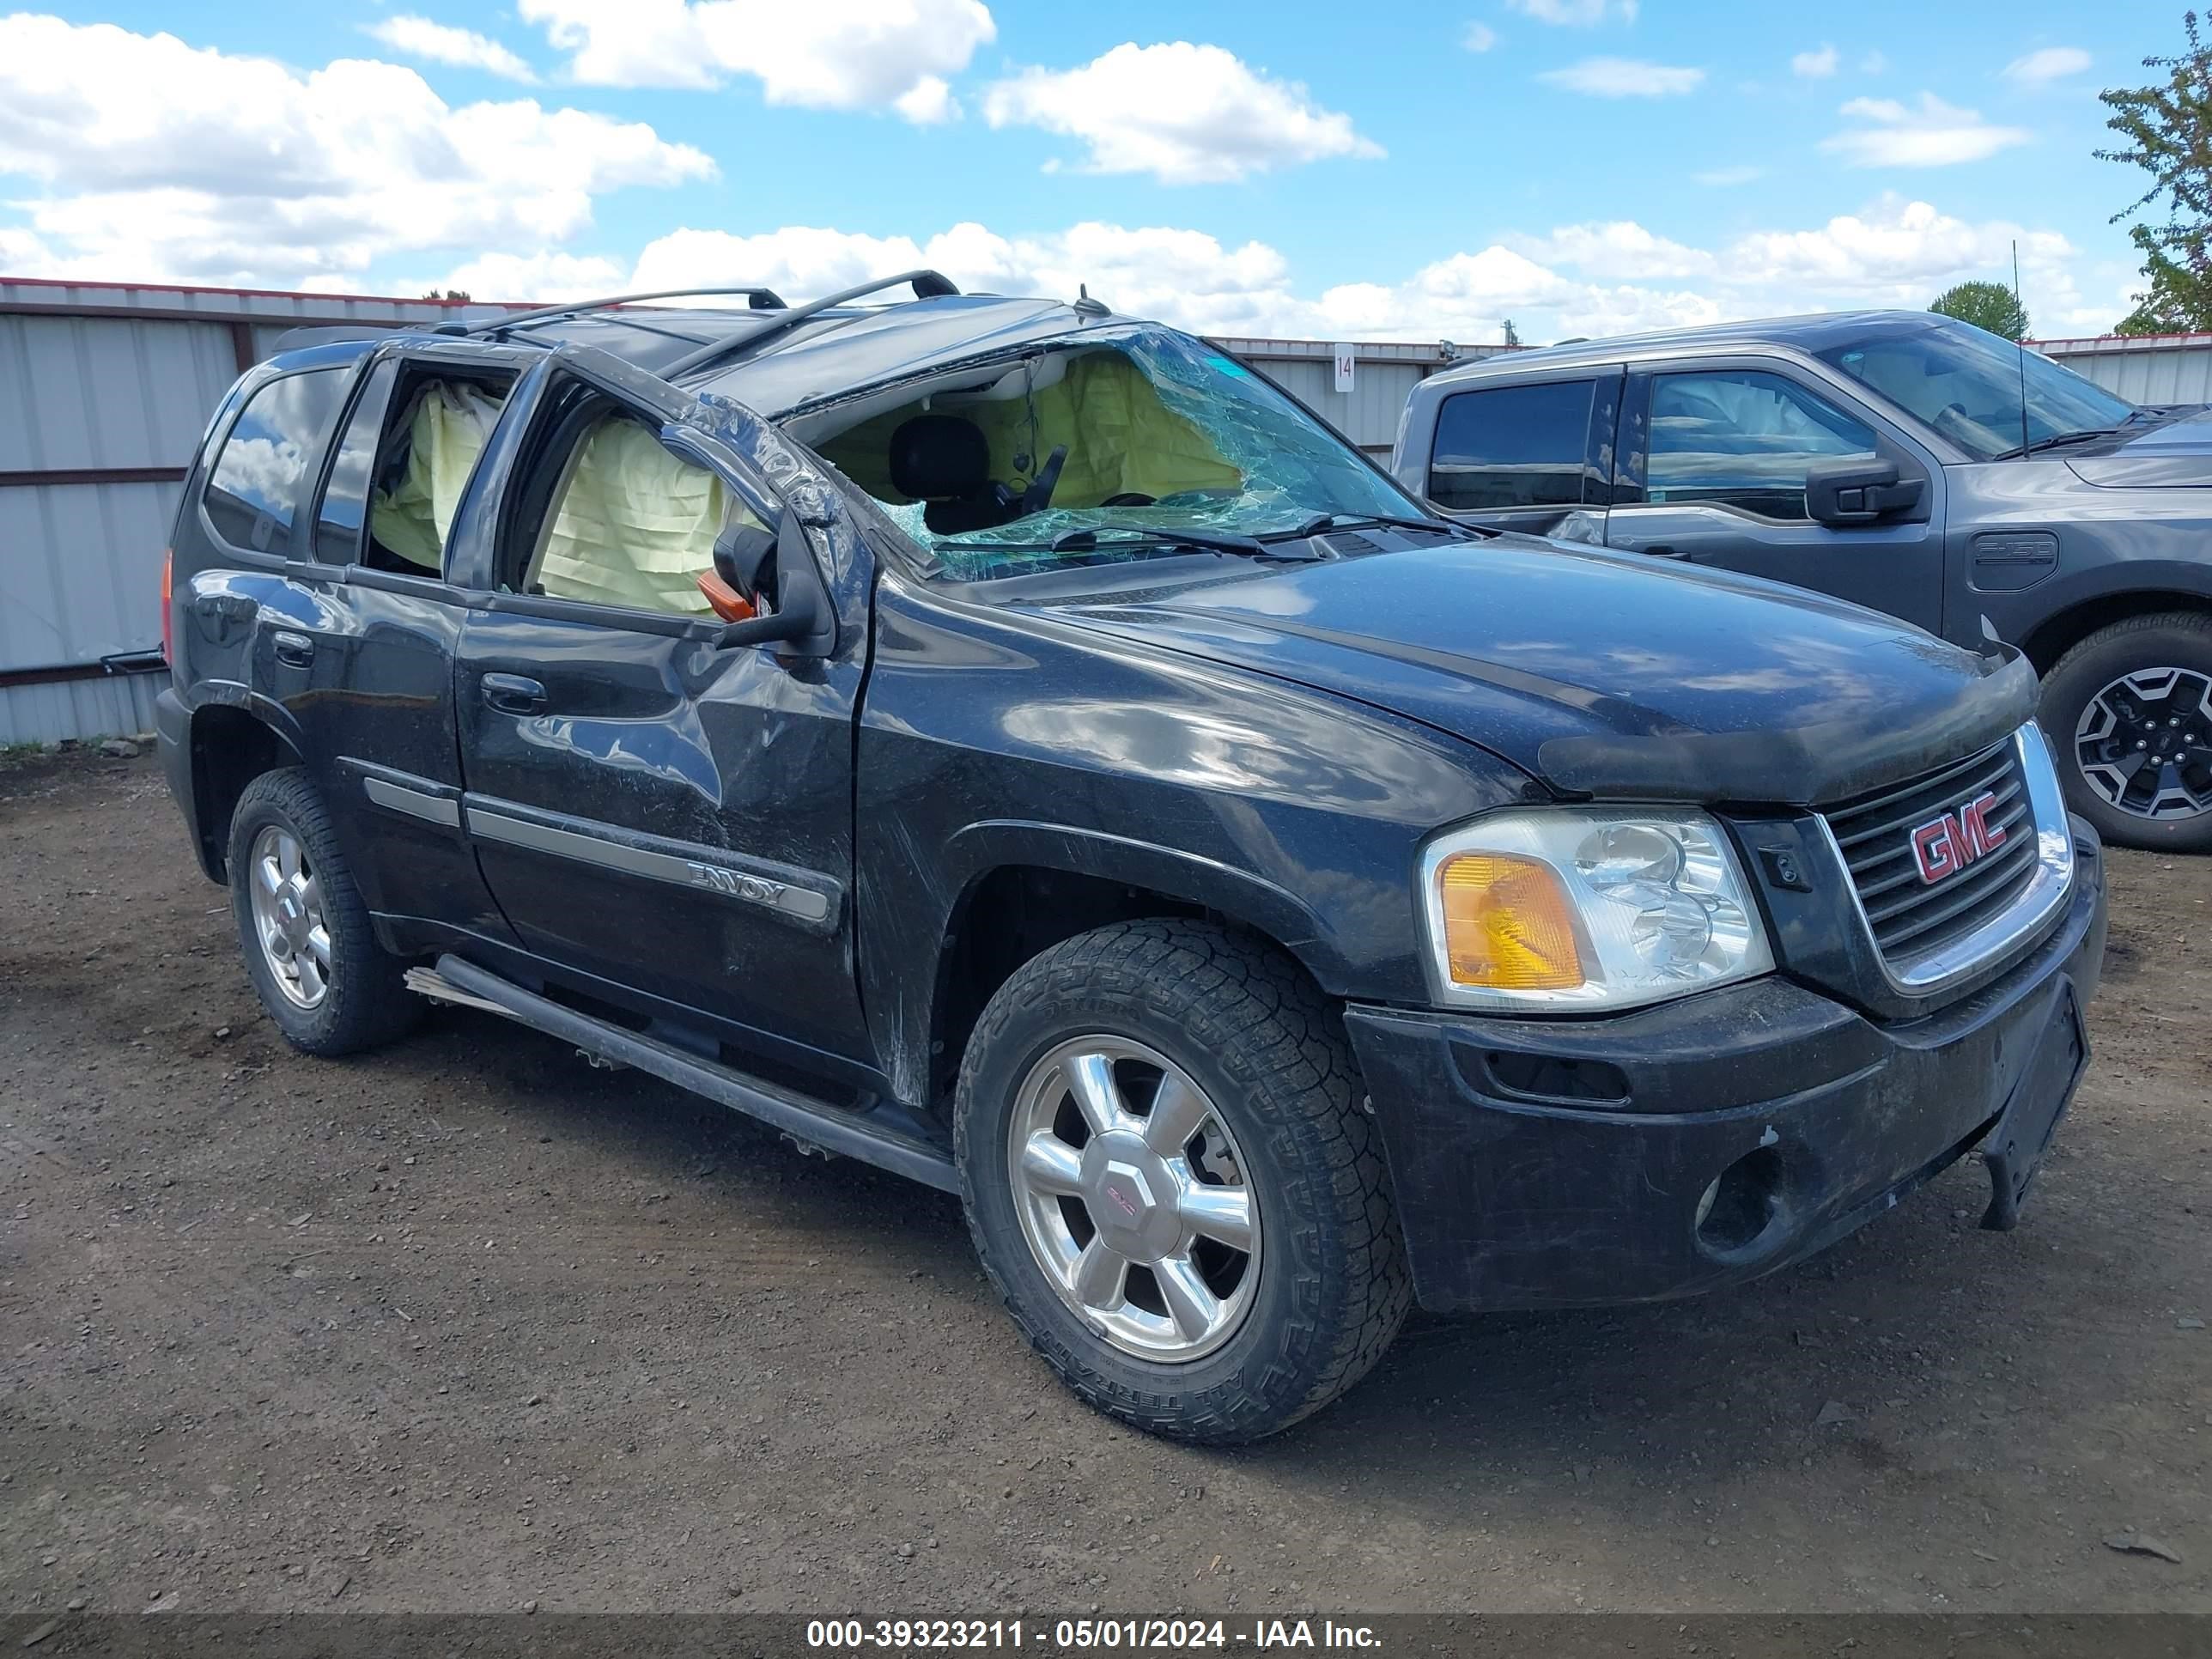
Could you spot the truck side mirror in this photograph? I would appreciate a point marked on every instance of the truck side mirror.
(783, 575)
(1854, 492)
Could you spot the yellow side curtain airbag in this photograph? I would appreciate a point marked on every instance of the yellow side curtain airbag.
(1120, 438)
(449, 431)
(636, 526)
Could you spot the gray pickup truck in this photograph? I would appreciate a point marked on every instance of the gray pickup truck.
(1902, 460)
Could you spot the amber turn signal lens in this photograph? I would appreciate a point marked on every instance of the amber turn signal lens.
(1508, 925)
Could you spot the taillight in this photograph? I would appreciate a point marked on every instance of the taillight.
(169, 641)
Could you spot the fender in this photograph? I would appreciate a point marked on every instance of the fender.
(204, 773)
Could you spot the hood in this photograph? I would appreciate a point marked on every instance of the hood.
(2175, 453)
(1604, 673)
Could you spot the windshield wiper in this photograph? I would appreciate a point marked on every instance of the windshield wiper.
(2055, 440)
(1321, 521)
(1087, 540)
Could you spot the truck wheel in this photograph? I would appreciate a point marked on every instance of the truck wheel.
(2129, 711)
(1170, 1179)
(327, 984)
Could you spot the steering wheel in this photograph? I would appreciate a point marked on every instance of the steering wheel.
(1038, 496)
(1128, 498)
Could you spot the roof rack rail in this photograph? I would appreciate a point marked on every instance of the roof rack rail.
(757, 299)
(927, 284)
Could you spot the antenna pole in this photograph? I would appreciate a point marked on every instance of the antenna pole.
(2020, 346)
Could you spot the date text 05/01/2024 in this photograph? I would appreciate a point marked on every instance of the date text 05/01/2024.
(1090, 1634)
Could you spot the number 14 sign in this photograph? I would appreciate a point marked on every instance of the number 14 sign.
(1344, 368)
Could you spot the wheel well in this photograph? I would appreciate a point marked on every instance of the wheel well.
(230, 749)
(1004, 919)
(2046, 644)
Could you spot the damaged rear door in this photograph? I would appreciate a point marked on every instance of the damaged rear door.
(652, 807)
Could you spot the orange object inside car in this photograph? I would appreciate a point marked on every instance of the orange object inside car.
(729, 604)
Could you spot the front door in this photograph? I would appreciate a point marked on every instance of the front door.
(1713, 468)
(663, 814)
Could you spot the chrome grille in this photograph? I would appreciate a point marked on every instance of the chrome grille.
(1912, 919)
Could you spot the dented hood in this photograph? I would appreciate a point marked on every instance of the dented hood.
(1603, 673)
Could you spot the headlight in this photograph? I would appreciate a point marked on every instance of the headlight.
(1573, 909)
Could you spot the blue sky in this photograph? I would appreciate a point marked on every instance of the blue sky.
(1405, 171)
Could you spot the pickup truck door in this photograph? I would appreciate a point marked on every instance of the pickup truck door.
(668, 816)
(1713, 459)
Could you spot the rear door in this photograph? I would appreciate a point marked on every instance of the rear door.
(354, 665)
(1533, 456)
(668, 816)
(1713, 462)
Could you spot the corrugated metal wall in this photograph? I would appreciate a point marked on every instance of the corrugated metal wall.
(104, 392)
(1383, 377)
(2151, 368)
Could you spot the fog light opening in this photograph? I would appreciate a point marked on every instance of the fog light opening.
(1742, 1205)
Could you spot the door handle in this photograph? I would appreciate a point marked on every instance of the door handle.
(1666, 550)
(512, 693)
(295, 650)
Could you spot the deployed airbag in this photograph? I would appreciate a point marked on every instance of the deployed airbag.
(446, 433)
(636, 524)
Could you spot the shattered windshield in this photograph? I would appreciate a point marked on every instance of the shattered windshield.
(1108, 445)
(1967, 385)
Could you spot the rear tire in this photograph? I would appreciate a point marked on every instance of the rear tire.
(1264, 1274)
(302, 926)
(2130, 693)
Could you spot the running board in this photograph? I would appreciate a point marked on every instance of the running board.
(816, 1125)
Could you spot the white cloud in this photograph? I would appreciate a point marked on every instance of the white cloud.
(1932, 134)
(1724, 178)
(817, 54)
(1576, 13)
(1816, 65)
(540, 276)
(1625, 77)
(1478, 37)
(1186, 114)
(2049, 64)
(418, 37)
(1595, 279)
(162, 160)
(1621, 248)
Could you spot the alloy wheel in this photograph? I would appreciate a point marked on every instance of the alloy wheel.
(288, 917)
(1134, 1198)
(2144, 743)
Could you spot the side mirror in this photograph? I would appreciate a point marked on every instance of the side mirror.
(784, 575)
(1849, 492)
(742, 555)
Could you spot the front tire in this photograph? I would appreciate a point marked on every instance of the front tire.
(1170, 1179)
(302, 927)
(2129, 711)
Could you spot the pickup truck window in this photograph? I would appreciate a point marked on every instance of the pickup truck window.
(1517, 446)
(254, 488)
(1744, 440)
(1968, 386)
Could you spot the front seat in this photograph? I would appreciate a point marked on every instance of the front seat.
(945, 461)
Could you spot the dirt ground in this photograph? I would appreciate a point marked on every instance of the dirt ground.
(467, 1325)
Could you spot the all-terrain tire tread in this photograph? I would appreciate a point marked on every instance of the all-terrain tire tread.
(1252, 1008)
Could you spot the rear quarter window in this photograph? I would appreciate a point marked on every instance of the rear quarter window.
(260, 475)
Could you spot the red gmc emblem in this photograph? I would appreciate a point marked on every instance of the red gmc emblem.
(1943, 847)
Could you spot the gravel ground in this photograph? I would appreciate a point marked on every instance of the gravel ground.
(468, 1326)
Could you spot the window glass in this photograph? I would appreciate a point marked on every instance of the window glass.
(632, 525)
(1969, 385)
(253, 492)
(1515, 445)
(345, 497)
(1744, 440)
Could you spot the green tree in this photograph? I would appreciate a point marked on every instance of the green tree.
(450, 294)
(2167, 126)
(1985, 305)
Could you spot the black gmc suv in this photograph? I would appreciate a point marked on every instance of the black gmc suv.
(1020, 748)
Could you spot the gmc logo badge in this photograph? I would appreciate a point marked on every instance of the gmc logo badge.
(1943, 847)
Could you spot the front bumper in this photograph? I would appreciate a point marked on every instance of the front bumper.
(1573, 1162)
